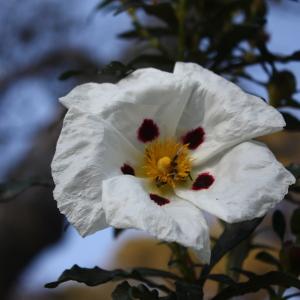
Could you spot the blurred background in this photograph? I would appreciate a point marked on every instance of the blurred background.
(40, 40)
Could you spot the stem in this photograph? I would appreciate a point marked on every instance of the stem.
(181, 14)
(183, 262)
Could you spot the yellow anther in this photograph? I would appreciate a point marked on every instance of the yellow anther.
(164, 163)
(167, 162)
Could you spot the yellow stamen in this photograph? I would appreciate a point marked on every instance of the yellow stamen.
(167, 162)
(164, 163)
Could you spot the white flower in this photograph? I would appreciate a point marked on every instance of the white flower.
(154, 150)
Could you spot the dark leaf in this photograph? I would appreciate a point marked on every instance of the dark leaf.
(292, 123)
(116, 69)
(268, 258)
(279, 224)
(221, 278)
(187, 291)
(233, 235)
(104, 4)
(163, 11)
(90, 277)
(295, 222)
(126, 292)
(147, 272)
(294, 169)
(117, 232)
(97, 276)
(143, 293)
(148, 60)
(128, 4)
(70, 73)
(154, 31)
(121, 292)
(258, 282)
(246, 273)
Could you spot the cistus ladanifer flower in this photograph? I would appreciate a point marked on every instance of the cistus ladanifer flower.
(156, 149)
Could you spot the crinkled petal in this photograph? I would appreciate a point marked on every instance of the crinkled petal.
(248, 181)
(92, 97)
(149, 94)
(127, 204)
(145, 94)
(227, 115)
(88, 151)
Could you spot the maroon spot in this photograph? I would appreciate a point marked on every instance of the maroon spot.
(194, 138)
(159, 200)
(148, 131)
(127, 170)
(203, 181)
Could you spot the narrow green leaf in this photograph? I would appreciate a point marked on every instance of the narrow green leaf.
(116, 69)
(294, 169)
(69, 74)
(292, 123)
(188, 291)
(268, 258)
(90, 277)
(121, 292)
(279, 224)
(295, 222)
(163, 11)
(233, 235)
(221, 278)
(257, 283)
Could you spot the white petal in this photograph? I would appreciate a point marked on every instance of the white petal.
(149, 94)
(87, 152)
(128, 205)
(226, 113)
(91, 97)
(249, 181)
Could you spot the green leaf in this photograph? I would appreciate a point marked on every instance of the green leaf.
(69, 74)
(233, 235)
(154, 31)
(282, 85)
(188, 291)
(221, 278)
(116, 69)
(90, 277)
(147, 60)
(104, 4)
(295, 222)
(117, 232)
(258, 282)
(268, 258)
(292, 123)
(279, 224)
(163, 11)
(121, 292)
(294, 169)
(96, 276)
(126, 292)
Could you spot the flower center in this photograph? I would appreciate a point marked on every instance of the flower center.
(167, 162)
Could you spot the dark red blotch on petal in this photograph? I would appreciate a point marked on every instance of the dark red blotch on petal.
(194, 138)
(159, 200)
(127, 170)
(148, 131)
(203, 181)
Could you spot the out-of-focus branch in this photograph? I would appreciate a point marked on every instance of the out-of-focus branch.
(51, 60)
